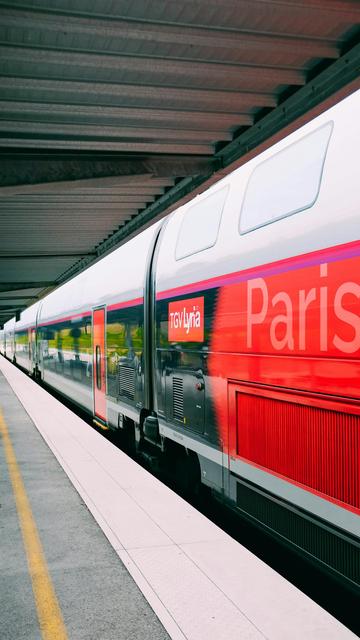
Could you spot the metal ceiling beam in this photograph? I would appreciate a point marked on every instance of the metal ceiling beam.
(113, 132)
(163, 118)
(45, 256)
(106, 184)
(46, 62)
(61, 198)
(106, 144)
(132, 95)
(121, 206)
(35, 168)
(63, 230)
(289, 9)
(87, 195)
(15, 286)
(127, 31)
(97, 235)
(54, 215)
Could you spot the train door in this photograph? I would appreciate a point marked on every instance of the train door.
(99, 364)
(29, 349)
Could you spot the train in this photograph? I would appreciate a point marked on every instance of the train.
(225, 340)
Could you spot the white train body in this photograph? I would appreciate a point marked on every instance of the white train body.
(229, 333)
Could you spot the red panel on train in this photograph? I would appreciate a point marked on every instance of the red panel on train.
(304, 439)
(186, 320)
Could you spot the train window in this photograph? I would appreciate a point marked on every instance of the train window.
(200, 226)
(287, 182)
(98, 366)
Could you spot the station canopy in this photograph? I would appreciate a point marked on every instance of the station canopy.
(113, 112)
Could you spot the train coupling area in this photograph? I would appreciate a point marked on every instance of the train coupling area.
(95, 547)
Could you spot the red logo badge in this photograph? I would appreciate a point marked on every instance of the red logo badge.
(186, 320)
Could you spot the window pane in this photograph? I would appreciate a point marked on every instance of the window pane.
(287, 182)
(98, 367)
(200, 226)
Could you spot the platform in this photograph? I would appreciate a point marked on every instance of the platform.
(126, 557)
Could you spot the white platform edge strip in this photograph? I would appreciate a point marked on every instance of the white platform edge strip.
(146, 589)
(306, 618)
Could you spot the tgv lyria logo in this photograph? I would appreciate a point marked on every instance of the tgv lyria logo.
(186, 320)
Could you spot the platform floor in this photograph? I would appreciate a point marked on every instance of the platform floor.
(97, 597)
(161, 569)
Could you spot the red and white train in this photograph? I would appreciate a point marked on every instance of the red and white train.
(227, 338)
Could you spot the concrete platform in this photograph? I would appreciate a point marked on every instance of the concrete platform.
(201, 584)
(97, 597)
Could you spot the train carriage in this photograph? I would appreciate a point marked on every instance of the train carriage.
(9, 342)
(25, 338)
(226, 338)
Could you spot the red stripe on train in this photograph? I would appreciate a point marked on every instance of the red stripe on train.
(331, 254)
(85, 314)
(124, 305)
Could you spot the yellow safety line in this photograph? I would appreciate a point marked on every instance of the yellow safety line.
(102, 426)
(48, 610)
